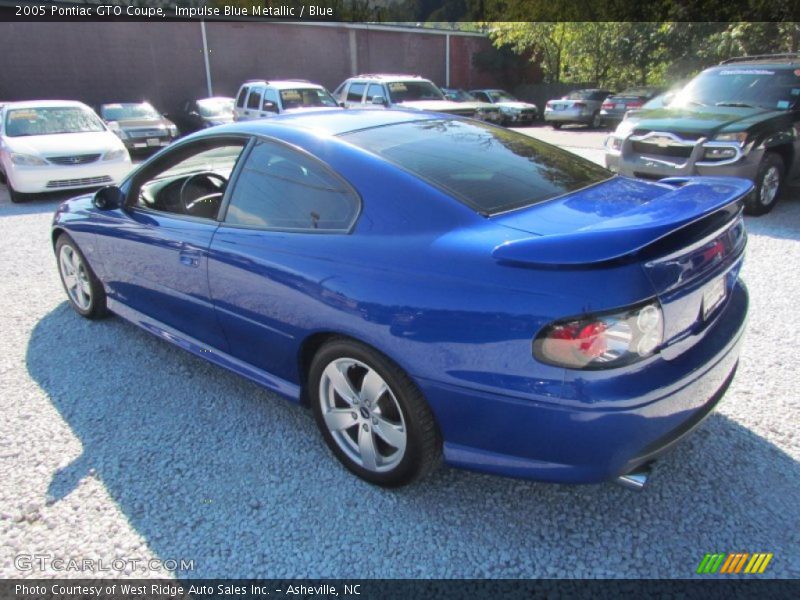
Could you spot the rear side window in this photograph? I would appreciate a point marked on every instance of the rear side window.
(492, 170)
(280, 188)
(355, 92)
(242, 96)
(254, 101)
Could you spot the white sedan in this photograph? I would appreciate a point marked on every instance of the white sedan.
(52, 145)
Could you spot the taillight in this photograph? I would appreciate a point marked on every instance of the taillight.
(602, 341)
(634, 105)
(608, 105)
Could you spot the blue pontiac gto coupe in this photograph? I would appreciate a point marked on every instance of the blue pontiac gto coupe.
(431, 286)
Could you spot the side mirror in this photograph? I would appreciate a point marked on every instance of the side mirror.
(269, 106)
(109, 198)
(379, 100)
(342, 103)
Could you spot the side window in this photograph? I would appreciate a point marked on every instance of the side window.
(254, 100)
(271, 95)
(373, 90)
(242, 96)
(280, 188)
(355, 92)
(482, 96)
(337, 93)
(191, 180)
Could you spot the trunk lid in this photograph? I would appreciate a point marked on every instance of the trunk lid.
(687, 235)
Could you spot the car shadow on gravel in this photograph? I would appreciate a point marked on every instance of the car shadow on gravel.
(783, 221)
(42, 203)
(211, 468)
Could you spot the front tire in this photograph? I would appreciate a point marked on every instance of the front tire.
(16, 197)
(371, 414)
(84, 290)
(597, 121)
(555, 125)
(768, 185)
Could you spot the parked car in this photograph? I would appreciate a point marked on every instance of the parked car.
(430, 286)
(52, 145)
(259, 99)
(484, 111)
(738, 118)
(140, 126)
(581, 106)
(613, 109)
(514, 111)
(204, 112)
(397, 91)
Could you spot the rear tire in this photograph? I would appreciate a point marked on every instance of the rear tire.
(84, 290)
(555, 125)
(371, 414)
(768, 185)
(597, 122)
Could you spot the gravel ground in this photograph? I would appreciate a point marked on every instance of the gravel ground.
(115, 445)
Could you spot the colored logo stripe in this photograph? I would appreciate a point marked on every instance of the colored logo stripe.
(734, 563)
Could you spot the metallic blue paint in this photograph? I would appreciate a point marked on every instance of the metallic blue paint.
(454, 298)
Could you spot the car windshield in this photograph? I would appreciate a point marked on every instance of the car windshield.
(50, 121)
(409, 91)
(461, 96)
(215, 107)
(490, 169)
(585, 95)
(501, 96)
(123, 112)
(306, 97)
(744, 86)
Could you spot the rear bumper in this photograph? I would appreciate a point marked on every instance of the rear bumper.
(568, 116)
(660, 401)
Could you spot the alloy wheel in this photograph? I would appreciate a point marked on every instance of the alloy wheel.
(362, 415)
(75, 277)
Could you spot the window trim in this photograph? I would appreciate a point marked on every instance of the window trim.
(132, 184)
(234, 180)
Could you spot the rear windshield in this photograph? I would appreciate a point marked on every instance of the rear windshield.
(587, 95)
(490, 169)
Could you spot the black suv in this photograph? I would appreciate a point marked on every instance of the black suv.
(738, 119)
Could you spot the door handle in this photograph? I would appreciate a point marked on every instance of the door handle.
(189, 258)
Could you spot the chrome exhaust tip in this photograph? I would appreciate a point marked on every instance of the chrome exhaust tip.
(636, 479)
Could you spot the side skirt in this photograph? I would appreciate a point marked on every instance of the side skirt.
(280, 386)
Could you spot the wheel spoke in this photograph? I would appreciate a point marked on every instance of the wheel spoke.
(340, 383)
(373, 387)
(366, 448)
(70, 281)
(392, 434)
(340, 418)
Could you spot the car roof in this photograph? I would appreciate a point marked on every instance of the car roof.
(46, 104)
(388, 77)
(285, 84)
(332, 122)
(140, 102)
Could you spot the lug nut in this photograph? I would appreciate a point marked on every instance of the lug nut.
(374, 420)
(366, 427)
(354, 415)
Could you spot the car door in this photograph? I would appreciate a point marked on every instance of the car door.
(270, 104)
(155, 250)
(253, 106)
(376, 90)
(271, 257)
(355, 94)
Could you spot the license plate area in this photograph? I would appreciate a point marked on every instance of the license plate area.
(621, 106)
(153, 142)
(713, 296)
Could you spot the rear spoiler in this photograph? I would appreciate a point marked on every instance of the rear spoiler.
(694, 205)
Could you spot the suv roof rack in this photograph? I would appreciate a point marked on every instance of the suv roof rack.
(386, 75)
(788, 56)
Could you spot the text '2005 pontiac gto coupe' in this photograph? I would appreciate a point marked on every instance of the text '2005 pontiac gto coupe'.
(431, 286)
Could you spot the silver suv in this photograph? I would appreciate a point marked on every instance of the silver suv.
(397, 91)
(258, 98)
